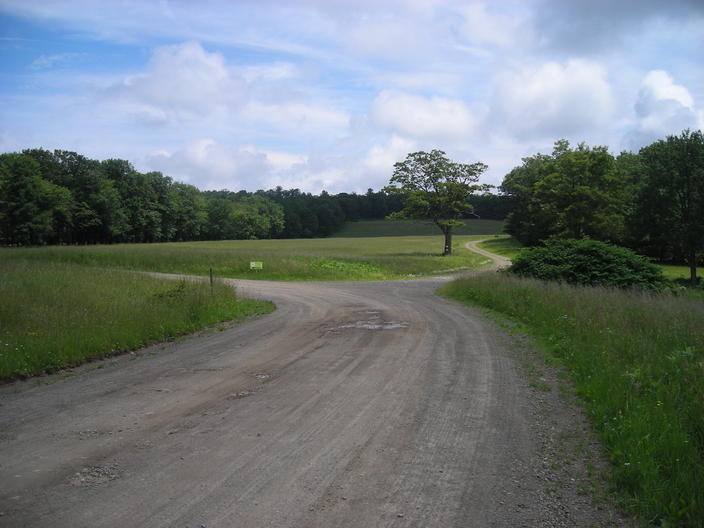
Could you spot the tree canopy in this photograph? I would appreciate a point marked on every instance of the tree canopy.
(62, 197)
(651, 201)
(436, 189)
(671, 196)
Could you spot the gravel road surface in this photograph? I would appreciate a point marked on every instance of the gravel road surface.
(352, 405)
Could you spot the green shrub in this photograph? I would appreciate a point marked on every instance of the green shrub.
(590, 263)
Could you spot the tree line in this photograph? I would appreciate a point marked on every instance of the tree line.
(62, 197)
(651, 201)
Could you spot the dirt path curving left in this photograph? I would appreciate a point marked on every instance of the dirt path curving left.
(352, 405)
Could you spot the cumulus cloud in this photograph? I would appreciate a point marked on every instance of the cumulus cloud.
(422, 117)
(380, 159)
(662, 108)
(209, 164)
(553, 100)
(298, 116)
(183, 82)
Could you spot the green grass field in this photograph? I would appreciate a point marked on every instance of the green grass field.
(56, 315)
(389, 228)
(304, 259)
(637, 361)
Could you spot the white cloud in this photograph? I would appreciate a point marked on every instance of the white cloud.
(209, 164)
(482, 25)
(662, 108)
(269, 72)
(386, 35)
(301, 117)
(554, 100)
(380, 159)
(49, 61)
(182, 82)
(422, 117)
(659, 86)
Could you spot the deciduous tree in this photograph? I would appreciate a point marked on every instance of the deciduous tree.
(672, 195)
(435, 189)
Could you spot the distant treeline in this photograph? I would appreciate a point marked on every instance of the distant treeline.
(651, 201)
(62, 197)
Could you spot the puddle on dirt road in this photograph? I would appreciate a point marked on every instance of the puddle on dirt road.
(374, 325)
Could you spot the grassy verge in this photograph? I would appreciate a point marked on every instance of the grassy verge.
(502, 245)
(55, 315)
(637, 361)
(389, 228)
(316, 259)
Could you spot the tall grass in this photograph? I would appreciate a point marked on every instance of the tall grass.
(310, 259)
(55, 315)
(637, 360)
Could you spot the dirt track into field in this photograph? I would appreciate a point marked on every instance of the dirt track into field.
(352, 405)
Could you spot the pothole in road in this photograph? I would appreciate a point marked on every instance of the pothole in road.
(93, 475)
(374, 325)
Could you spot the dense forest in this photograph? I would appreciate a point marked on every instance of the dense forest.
(651, 201)
(62, 197)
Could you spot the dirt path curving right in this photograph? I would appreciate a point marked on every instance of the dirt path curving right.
(499, 261)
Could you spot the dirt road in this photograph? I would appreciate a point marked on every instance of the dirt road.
(352, 405)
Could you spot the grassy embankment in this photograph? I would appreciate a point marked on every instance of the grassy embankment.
(56, 315)
(637, 361)
(311, 259)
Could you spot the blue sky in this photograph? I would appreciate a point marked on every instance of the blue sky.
(329, 94)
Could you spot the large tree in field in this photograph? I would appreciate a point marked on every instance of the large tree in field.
(672, 195)
(436, 189)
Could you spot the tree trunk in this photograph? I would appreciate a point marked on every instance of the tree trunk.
(448, 241)
(693, 267)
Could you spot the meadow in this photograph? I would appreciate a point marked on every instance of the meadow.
(327, 259)
(57, 314)
(637, 361)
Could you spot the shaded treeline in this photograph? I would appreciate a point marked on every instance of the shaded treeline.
(62, 197)
(651, 201)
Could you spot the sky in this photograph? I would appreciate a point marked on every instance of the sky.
(328, 95)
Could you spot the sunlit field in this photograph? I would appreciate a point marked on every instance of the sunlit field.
(301, 259)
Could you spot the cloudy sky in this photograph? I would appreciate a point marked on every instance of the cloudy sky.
(319, 94)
